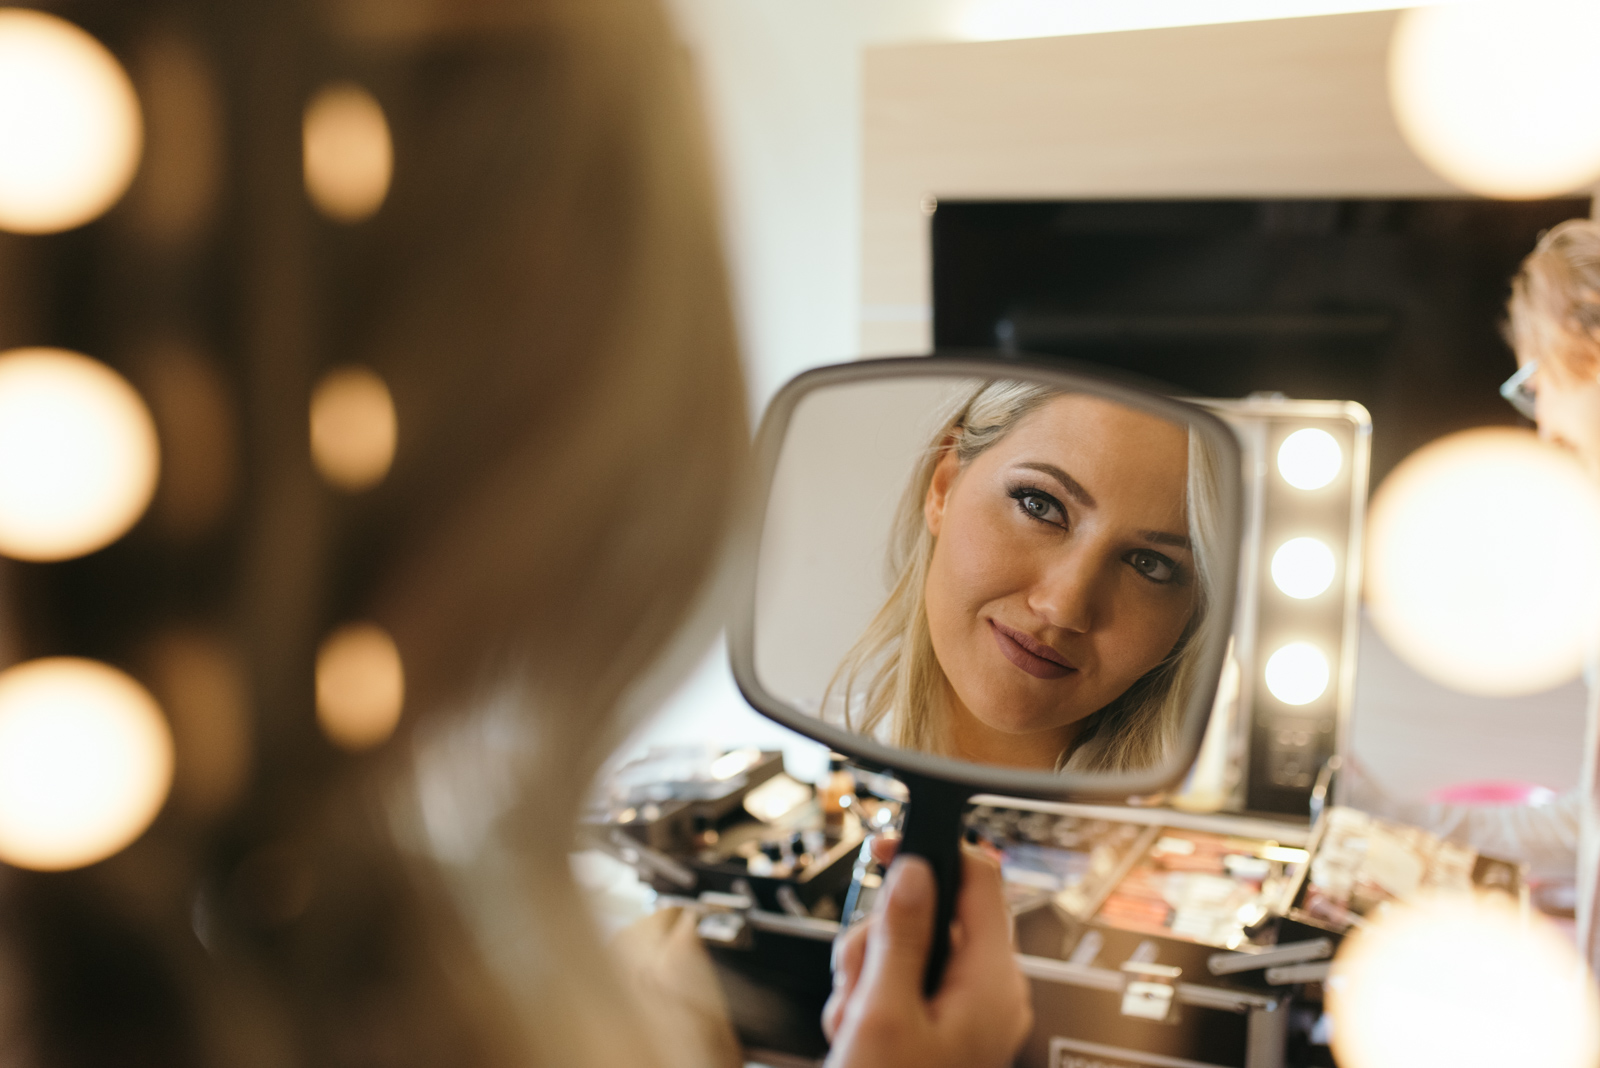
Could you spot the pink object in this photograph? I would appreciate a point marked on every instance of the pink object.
(1492, 792)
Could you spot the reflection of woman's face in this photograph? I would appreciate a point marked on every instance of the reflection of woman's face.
(1061, 573)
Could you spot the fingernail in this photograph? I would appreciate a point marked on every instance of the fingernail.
(910, 882)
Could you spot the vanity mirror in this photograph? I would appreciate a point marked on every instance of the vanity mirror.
(989, 575)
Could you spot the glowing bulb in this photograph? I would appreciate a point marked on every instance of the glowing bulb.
(85, 762)
(1297, 674)
(1464, 982)
(349, 158)
(1499, 98)
(78, 455)
(1303, 567)
(360, 686)
(1475, 575)
(353, 428)
(1309, 459)
(70, 131)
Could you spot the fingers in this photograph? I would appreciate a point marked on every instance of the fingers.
(899, 939)
(884, 847)
(980, 947)
(981, 907)
(849, 951)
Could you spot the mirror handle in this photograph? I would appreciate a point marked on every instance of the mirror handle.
(932, 831)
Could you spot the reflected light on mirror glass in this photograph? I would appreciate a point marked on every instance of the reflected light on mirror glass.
(353, 428)
(85, 762)
(1461, 982)
(1499, 98)
(1309, 459)
(78, 455)
(1477, 568)
(360, 686)
(1303, 567)
(1297, 673)
(348, 156)
(70, 130)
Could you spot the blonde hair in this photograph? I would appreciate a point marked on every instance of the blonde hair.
(543, 292)
(1554, 310)
(891, 680)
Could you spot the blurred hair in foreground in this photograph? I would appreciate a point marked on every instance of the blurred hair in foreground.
(542, 292)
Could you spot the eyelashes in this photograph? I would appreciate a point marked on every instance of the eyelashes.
(1042, 507)
(1157, 567)
(1038, 505)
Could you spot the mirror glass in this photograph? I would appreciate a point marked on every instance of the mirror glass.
(1009, 572)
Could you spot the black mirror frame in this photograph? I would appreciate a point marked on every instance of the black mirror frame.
(1120, 786)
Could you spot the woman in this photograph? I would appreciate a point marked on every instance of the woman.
(542, 292)
(1553, 324)
(1050, 563)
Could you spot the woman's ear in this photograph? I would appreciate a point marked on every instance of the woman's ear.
(944, 477)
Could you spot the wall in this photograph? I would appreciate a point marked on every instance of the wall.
(1291, 107)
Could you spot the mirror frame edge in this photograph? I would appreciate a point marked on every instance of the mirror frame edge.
(1061, 786)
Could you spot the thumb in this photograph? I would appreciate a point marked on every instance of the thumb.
(897, 945)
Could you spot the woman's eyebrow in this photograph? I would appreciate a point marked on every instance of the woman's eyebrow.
(1161, 537)
(1073, 487)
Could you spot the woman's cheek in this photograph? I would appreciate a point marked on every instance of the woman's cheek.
(983, 561)
(1155, 624)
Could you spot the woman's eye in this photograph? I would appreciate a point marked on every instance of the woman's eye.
(1153, 566)
(1041, 506)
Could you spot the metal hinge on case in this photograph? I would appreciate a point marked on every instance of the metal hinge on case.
(1151, 990)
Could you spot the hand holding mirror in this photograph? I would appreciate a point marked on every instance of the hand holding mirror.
(989, 576)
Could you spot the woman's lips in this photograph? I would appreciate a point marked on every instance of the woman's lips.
(1029, 654)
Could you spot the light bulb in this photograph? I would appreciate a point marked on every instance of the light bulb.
(1477, 573)
(360, 686)
(70, 131)
(78, 455)
(1465, 982)
(1309, 459)
(1297, 673)
(353, 428)
(348, 156)
(1303, 567)
(1499, 98)
(85, 762)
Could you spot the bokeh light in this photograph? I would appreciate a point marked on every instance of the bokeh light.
(78, 454)
(85, 762)
(1309, 459)
(1297, 673)
(1499, 98)
(360, 686)
(1465, 982)
(353, 428)
(1478, 570)
(201, 685)
(70, 130)
(349, 158)
(197, 421)
(178, 189)
(1303, 567)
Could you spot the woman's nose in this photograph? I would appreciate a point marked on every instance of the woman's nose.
(1065, 593)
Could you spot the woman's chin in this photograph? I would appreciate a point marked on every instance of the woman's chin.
(1003, 721)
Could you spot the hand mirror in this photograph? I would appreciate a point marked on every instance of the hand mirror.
(989, 575)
